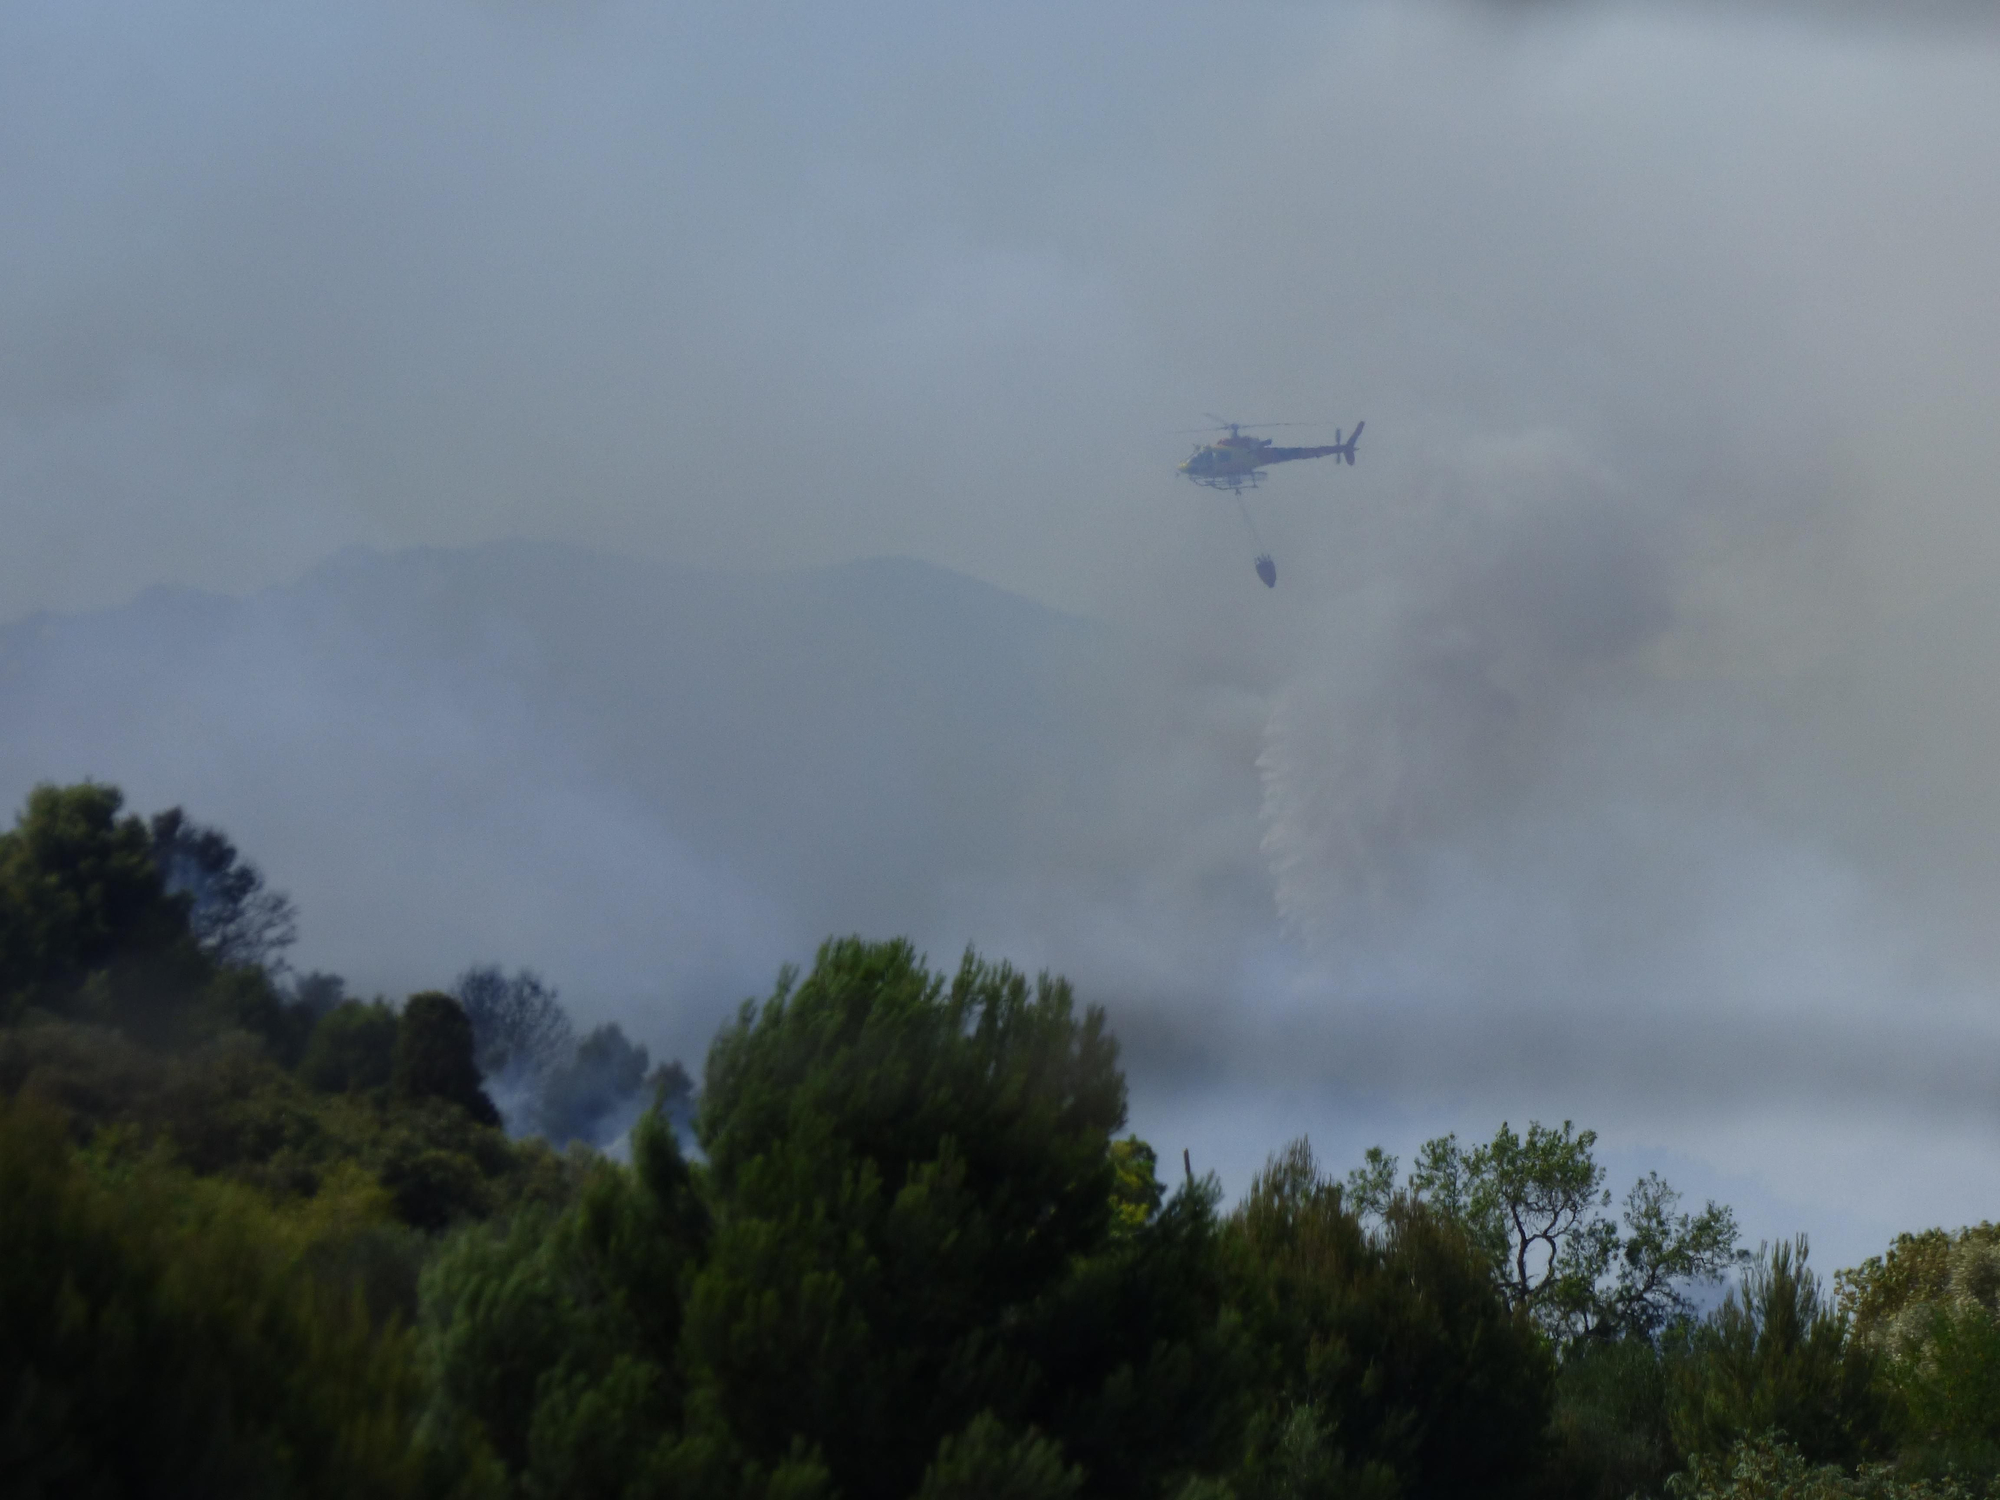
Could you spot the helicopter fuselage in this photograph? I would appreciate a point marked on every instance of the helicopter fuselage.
(1232, 463)
(1239, 457)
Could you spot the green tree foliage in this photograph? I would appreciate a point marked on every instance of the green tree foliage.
(165, 1336)
(1144, 1366)
(268, 1240)
(1025, 1306)
(1136, 1190)
(245, 1000)
(1389, 1365)
(1775, 1357)
(1662, 1253)
(1930, 1308)
(1919, 1271)
(988, 1462)
(233, 917)
(434, 1056)
(1946, 1381)
(80, 897)
(353, 1048)
(1534, 1206)
(162, 933)
(1769, 1468)
(545, 1080)
(518, 1024)
(901, 1169)
(226, 1108)
(1611, 1435)
(555, 1340)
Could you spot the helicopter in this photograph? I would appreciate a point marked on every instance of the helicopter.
(1235, 463)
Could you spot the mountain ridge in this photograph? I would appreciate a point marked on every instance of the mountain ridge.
(638, 777)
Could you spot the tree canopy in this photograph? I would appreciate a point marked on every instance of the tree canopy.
(263, 1237)
(79, 894)
(232, 915)
(433, 1056)
(1534, 1206)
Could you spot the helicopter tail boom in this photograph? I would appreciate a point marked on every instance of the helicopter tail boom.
(1339, 449)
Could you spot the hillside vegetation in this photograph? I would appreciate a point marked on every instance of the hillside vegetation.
(262, 1237)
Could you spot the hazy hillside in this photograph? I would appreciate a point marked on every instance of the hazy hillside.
(645, 781)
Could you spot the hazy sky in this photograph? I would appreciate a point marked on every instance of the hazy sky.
(1620, 739)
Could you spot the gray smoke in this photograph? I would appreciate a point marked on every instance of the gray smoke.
(548, 1082)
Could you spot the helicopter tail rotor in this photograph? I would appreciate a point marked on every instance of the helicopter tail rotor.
(1346, 449)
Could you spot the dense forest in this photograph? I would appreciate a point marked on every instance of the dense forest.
(259, 1236)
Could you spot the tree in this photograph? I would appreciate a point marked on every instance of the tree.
(1775, 1357)
(555, 1338)
(1767, 1467)
(520, 1031)
(161, 1335)
(1664, 1252)
(353, 1047)
(1143, 1360)
(1921, 1271)
(543, 1079)
(902, 1169)
(1371, 1187)
(598, 1093)
(1930, 1308)
(1534, 1206)
(317, 992)
(1946, 1380)
(433, 1057)
(1389, 1363)
(235, 919)
(79, 894)
(1610, 1430)
(988, 1462)
(671, 1092)
(1137, 1191)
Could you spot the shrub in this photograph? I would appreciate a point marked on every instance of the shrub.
(165, 1335)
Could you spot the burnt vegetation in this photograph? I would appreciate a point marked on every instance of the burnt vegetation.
(264, 1237)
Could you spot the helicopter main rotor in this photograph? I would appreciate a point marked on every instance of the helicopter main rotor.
(1235, 427)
